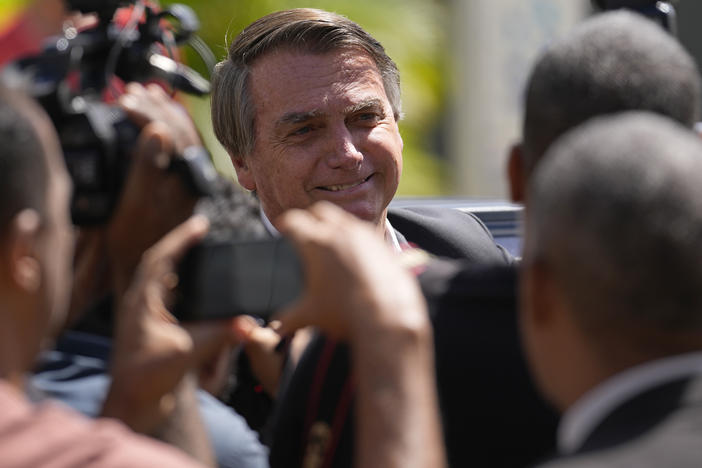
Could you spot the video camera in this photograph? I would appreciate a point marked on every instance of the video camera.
(77, 76)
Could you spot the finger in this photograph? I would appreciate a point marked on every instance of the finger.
(291, 318)
(135, 105)
(208, 339)
(157, 92)
(299, 226)
(210, 336)
(330, 213)
(155, 145)
(261, 339)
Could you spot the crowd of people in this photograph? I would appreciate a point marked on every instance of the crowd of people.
(416, 340)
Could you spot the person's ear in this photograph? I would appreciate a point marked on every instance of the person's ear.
(22, 253)
(516, 173)
(244, 173)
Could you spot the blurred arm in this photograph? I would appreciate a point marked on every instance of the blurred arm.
(358, 292)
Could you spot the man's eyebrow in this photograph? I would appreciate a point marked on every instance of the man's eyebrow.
(366, 104)
(292, 118)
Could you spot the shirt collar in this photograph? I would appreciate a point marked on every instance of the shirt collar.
(267, 223)
(390, 234)
(591, 409)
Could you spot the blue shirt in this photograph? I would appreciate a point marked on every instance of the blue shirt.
(76, 373)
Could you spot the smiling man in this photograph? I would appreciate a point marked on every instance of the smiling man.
(307, 104)
(325, 131)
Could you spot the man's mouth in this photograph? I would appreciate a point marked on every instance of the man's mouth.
(337, 188)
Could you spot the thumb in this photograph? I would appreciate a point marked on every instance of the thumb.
(154, 146)
(292, 318)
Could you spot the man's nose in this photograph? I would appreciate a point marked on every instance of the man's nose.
(343, 152)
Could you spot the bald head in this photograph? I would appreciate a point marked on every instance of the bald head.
(615, 213)
(613, 62)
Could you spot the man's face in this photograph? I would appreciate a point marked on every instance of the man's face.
(324, 130)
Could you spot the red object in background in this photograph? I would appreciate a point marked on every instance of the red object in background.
(21, 39)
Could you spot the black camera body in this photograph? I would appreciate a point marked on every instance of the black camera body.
(97, 143)
(219, 279)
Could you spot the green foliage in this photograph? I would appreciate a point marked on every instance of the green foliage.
(412, 31)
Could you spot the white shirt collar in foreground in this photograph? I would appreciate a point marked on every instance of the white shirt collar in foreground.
(584, 415)
(390, 234)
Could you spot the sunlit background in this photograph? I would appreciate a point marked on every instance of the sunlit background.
(463, 65)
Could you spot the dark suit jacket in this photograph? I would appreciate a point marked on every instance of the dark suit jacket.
(448, 233)
(491, 413)
(660, 428)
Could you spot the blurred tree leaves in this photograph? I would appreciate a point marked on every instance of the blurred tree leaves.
(414, 33)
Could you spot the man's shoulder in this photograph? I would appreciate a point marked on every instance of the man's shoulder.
(661, 427)
(678, 449)
(447, 232)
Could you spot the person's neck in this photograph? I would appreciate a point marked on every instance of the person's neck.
(17, 348)
(382, 225)
(598, 364)
(13, 359)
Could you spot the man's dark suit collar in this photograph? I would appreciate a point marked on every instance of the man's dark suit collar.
(655, 391)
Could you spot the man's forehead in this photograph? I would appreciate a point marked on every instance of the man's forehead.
(298, 82)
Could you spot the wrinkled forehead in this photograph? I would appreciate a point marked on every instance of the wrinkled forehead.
(292, 71)
(292, 52)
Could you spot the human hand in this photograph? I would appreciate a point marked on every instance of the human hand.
(153, 198)
(150, 103)
(151, 352)
(354, 282)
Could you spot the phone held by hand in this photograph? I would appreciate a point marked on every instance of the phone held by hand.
(218, 279)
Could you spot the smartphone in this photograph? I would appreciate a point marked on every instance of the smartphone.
(222, 279)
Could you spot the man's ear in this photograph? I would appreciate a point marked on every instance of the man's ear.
(516, 173)
(244, 173)
(22, 259)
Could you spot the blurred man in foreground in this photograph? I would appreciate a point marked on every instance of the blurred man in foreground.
(611, 291)
(35, 281)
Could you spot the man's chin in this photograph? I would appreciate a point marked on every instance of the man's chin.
(365, 212)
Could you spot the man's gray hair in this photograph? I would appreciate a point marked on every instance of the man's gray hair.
(615, 212)
(304, 29)
(613, 62)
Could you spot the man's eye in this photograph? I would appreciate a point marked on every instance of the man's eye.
(301, 130)
(368, 117)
